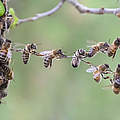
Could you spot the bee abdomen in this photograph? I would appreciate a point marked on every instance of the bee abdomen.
(47, 62)
(75, 62)
(4, 85)
(3, 58)
(25, 57)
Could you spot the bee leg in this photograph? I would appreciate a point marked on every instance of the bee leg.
(107, 77)
(86, 62)
(50, 63)
(114, 55)
(111, 81)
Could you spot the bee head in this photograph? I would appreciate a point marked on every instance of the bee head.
(106, 65)
(117, 42)
(106, 45)
(7, 43)
(81, 51)
(59, 52)
(33, 46)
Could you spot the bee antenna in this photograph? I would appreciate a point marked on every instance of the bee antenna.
(106, 65)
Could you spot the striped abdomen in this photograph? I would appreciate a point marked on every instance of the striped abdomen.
(3, 57)
(47, 61)
(25, 56)
(75, 62)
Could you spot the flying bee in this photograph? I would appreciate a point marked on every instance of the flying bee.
(27, 51)
(100, 47)
(30, 49)
(50, 55)
(99, 71)
(113, 48)
(78, 56)
(5, 52)
(115, 82)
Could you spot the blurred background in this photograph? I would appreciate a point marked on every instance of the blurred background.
(62, 92)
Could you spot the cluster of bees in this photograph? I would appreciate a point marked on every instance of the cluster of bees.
(101, 71)
(6, 48)
(6, 73)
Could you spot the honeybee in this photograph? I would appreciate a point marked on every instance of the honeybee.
(113, 48)
(100, 47)
(8, 73)
(27, 51)
(79, 55)
(115, 82)
(5, 52)
(99, 71)
(50, 55)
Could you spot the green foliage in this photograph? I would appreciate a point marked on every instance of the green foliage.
(2, 9)
(12, 12)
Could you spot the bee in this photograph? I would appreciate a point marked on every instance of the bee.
(8, 73)
(100, 47)
(78, 56)
(5, 52)
(50, 55)
(115, 82)
(113, 48)
(99, 71)
(27, 51)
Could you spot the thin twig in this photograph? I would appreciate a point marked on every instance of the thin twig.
(100, 11)
(41, 15)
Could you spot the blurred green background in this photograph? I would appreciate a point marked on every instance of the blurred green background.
(62, 92)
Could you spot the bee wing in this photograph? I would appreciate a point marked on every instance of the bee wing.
(91, 43)
(91, 69)
(96, 75)
(44, 53)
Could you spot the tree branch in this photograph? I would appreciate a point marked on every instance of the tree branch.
(83, 9)
(41, 15)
